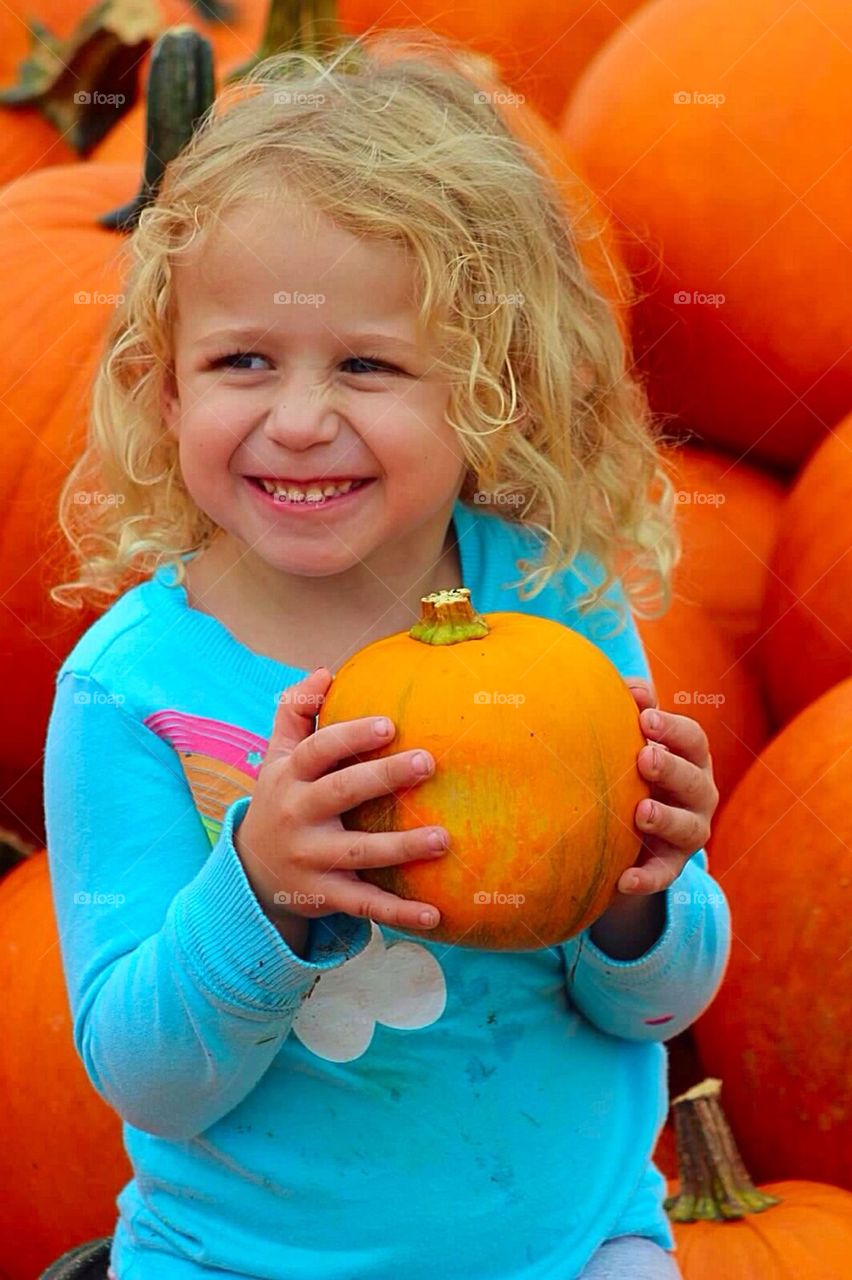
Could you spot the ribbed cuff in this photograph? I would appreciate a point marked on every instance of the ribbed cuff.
(685, 910)
(234, 949)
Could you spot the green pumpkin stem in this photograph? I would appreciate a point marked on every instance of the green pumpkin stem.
(447, 617)
(714, 1182)
(310, 26)
(180, 90)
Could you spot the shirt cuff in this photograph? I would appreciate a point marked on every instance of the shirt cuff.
(234, 948)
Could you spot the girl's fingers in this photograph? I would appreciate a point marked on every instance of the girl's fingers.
(653, 876)
(679, 733)
(683, 829)
(685, 782)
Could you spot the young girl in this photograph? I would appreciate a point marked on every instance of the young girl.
(359, 360)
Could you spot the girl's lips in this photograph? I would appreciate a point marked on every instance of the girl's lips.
(282, 504)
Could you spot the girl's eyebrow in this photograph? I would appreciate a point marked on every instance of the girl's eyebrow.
(252, 334)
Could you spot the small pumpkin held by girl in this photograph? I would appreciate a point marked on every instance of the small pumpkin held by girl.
(359, 364)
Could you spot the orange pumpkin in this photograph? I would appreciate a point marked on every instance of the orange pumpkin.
(75, 272)
(540, 51)
(528, 865)
(735, 212)
(807, 620)
(697, 673)
(724, 1226)
(728, 514)
(778, 1031)
(62, 1160)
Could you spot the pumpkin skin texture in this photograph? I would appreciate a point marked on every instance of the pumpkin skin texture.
(808, 1234)
(747, 199)
(728, 516)
(778, 1030)
(62, 1160)
(561, 833)
(47, 220)
(696, 673)
(807, 621)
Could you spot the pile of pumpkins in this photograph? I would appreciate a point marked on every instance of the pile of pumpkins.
(704, 141)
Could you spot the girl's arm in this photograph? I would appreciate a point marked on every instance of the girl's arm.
(661, 992)
(181, 988)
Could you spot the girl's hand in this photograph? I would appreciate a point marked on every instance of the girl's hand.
(676, 820)
(298, 857)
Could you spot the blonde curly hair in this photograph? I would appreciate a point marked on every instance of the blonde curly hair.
(555, 428)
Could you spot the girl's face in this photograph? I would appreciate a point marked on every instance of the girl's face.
(298, 357)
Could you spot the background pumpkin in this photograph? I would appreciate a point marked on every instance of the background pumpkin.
(62, 1160)
(561, 836)
(725, 1226)
(697, 673)
(748, 199)
(778, 1031)
(728, 515)
(807, 622)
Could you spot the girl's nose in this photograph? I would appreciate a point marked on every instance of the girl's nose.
(301, 414)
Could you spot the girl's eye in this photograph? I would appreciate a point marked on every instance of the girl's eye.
(230, 361)
(379, 366)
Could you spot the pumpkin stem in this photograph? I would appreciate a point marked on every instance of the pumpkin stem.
(180, 90)
(310, 26)
(84, 84)
(447, 617)
(714, 1182)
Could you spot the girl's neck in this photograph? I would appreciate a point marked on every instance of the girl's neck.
(328, 625)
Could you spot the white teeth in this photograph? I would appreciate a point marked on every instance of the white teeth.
(314, 493)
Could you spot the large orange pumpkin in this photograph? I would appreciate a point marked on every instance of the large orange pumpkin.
(62, 1160)
(697, 673)
(746, 200)
(778, 1031)
(725, 1228)
(504, 695)
(728, 514)
(74, 276)
(807, 620)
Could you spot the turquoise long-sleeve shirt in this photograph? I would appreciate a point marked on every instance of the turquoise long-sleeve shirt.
(387, 1106)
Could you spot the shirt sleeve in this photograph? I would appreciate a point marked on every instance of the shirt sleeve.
(659, 994)
(180, 987)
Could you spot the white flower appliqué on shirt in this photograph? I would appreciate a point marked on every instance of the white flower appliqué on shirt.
(401, 986)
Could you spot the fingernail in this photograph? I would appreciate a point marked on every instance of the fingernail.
(421, 763)
(653, 720)
(428, 917)
(437, 840)
(632, 882)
